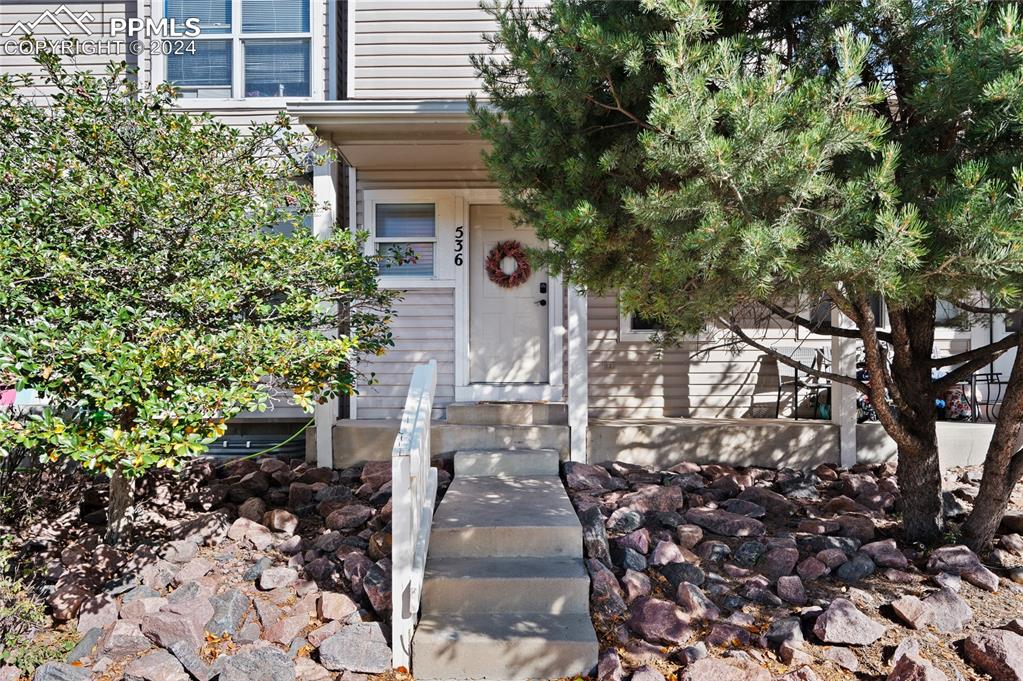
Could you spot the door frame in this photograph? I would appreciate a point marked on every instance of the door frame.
(553, 390)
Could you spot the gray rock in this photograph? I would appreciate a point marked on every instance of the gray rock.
(158, 665)
(265, 663)
(628, 558)
(749, 553)
(594, 535)
(843, 623)
(359, 647)
(229, 610)
(181, 551)
(695, 603)
(58, 671)
(86, 645)
(254, 571)
(140, 591)
(276, 577)
(647, 673)
(189, 658)
(678, 573)
(815, 543)
(772, 501)
(785, 630)
(954, 560)
(624, 520)
(856, 568)
(950, 611)
(123, 639)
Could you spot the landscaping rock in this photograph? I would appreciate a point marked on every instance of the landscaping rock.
(659, 621)
(359, 647)
(778, 562)
(949, 611)
(609, 667)
(790, 588)
(285, 630)
(997, 652)
(124, 639)
(276, 577)
(695, 603)
(229, 610)
(859, 567)
(785, 630)
(335, 606)
(689, 535)
(190, 660)
(955, 560)
(178, 621)
(580, 476)
(97, 612)
(725, 523)
(84, 647)
(679, 573)
(58, 671)
(623, 520)
(281, 520)
(647, 673)
(713, 669)
(636, 584)
(180, 551)
(594, 536)
(264, 663)
(349, 517)
(842, 657)
(912, 667)
(843, 623)
(886, 554)
(158, 665)
(911, 610)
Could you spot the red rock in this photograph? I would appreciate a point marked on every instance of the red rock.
(843, 657)
(376, 473)
(997, 652)
(98, 611)
(659, 621)
(778, 562)
(859, 527)
(811, 569)
(775, 503)
(252, 509)
(667, 552)
(281, 520)
(649, 498)
(67, 601)
(315, 475)
(636, 584)
(335, 606)
(911, 610)
(982, 578)
(349, 517)
(637, 540)
(714, 669)
(273, 578)
(182, 621)
(912, 667)
(832, 557)
(158, 665)
(843, 623)
(955, 560)
(725, 523)
(818, 526)
(137, 609)
(723, 635)
(802, 674)
(790, 588)
(284, 631)
(886, 553)
(580, 476)
(689, 535)
(193, 570)
(321, 634)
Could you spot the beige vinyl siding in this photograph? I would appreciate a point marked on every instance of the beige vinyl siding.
(636, 379)
(424, 329)
(417, 49)
(102, 11)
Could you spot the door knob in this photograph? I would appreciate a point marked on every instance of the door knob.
(541, 303)
(543, 287)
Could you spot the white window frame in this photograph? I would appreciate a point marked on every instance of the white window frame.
(627, 334)
(443, 235)
(317, 68)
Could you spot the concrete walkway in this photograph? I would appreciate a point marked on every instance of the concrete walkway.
(506, 594)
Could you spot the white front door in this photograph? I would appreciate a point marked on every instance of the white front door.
(508, 327)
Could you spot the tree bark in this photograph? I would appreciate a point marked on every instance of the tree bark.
(120, 511)
(1002, 467)
(919, 476)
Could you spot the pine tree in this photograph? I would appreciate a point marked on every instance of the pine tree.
(710, 161)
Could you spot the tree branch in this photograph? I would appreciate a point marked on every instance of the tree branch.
(987, 352)
(980, 309)
(826, 329)
(788, 361)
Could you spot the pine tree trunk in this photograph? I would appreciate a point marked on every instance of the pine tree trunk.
(1003, 465)
(120, 512)
(919, 476)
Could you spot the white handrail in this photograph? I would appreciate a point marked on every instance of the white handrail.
(413, 492)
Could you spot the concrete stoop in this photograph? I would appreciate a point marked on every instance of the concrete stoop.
(506, 593)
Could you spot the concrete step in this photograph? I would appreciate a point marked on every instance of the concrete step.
(507, 413)
(503, 647)
(526, 585)
(506, 462)
(496, 517)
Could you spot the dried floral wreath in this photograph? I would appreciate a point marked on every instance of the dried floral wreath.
(508, 249)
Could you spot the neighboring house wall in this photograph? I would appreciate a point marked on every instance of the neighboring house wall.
(102, 11)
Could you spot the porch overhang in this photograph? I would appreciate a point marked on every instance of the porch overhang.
(389, 134)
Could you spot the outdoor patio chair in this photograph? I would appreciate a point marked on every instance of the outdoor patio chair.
(790, 377)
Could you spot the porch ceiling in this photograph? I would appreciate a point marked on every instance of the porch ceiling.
(391, 134)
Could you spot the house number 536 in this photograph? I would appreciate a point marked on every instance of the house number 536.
(459, 245)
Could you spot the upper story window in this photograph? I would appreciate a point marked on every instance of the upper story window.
(245, 48)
